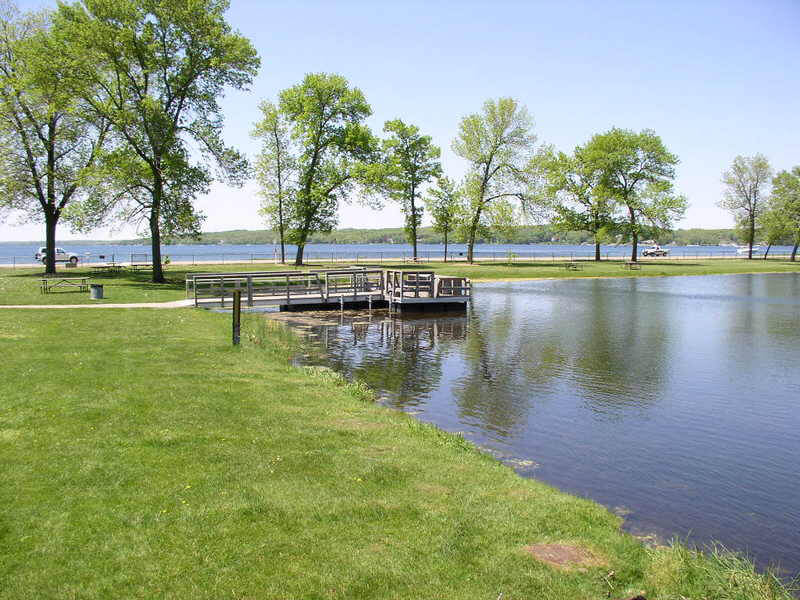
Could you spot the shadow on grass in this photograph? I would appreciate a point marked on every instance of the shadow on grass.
(134, 279)
(681, 263)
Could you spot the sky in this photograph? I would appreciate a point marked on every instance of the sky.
(713, 79)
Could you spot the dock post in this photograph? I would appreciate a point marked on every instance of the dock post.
(341, 303)
(369, 302)
(237, 315)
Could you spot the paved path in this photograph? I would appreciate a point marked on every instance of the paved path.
(173, 304)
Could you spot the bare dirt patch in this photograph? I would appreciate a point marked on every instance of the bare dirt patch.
(564, 556)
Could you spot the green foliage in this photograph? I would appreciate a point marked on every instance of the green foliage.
(637, 172)
(445, 203)
(276, 169)
(499, 146)
(333, 145)
(50, 141)
(408, 161)
(781, 219)
(746, 184)
(155, 70)
(575, 188)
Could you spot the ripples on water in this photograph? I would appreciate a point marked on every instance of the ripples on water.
(673, 400)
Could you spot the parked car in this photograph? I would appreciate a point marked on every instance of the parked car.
(655, 251)
(61, 256)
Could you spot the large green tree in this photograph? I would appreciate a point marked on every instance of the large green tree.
(446, 207)
(746, 185)
(499, 146)
(409, 160)
(276, 169)
(50, 141)
(784, 206)
(638, 173)
(155, 69)
(333, 146)
(579, 200)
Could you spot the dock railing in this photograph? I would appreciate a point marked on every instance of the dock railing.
(452, 286)
(353, 284)
(285, 285)
(272, 285)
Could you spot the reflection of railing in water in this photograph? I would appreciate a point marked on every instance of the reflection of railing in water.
(427, 331)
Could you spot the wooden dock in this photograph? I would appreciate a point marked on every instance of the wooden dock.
(357, 287)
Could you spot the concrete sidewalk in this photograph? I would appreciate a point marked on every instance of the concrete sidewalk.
(172, 304)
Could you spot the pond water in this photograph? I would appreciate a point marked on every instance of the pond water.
(673, 401)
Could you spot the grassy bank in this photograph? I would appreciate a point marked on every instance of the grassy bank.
(142, 456)
(21, 286)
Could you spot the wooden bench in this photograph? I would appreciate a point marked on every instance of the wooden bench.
(573, 266)
(632, 265)
(51, 283)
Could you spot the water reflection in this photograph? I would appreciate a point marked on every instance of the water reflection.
(676, 398)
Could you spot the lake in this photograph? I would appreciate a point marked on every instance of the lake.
(22, 252)
(673, 401)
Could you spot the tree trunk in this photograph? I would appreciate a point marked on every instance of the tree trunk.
(752, 237)
(794, 250)
(445, 246)
(51, 219)
(298, 259)
(473, 229)
(280, 229)
(155, 229)
(634, 235)
(51, 213)
(767, 252)
(596, 250)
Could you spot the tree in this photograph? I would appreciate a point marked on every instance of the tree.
(50, 142)
(155, 70)
(445, 204)
(409, 161)
(580, 201)
(772, 226)
(499, 147)
(784, 206)
(276, 168)
(333, 148)
(637, 172)
(746, 183)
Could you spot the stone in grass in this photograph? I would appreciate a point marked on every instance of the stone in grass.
(564, 556)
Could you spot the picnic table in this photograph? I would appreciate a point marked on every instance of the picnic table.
(632, 265)
(51, 283)
(573, 266)
(141, 262)
(106, 268)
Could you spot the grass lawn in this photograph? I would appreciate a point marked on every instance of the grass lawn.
(21, 286)
(142, 456)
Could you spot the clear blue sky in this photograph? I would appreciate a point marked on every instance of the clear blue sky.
(713, 79)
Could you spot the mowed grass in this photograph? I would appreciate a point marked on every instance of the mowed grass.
(144, 457)
(21, 286)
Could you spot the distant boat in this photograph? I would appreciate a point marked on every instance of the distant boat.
(745, 250)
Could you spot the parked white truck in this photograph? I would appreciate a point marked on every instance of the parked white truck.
(61, 256)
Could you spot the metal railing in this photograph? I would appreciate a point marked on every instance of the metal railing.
(381, 257)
